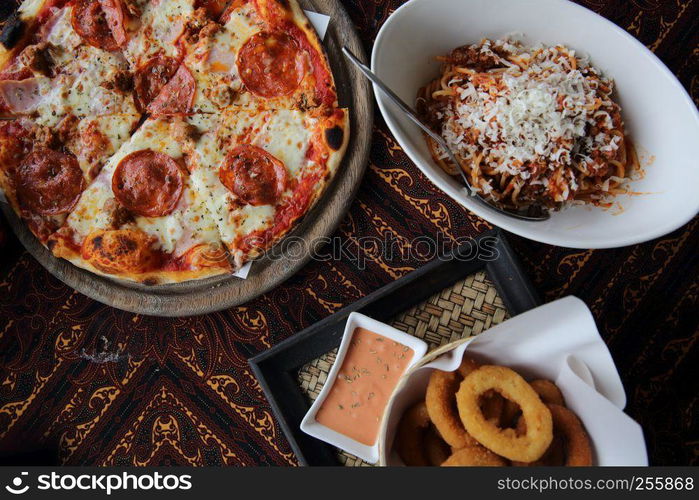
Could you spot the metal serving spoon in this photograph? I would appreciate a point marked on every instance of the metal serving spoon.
(533, 216)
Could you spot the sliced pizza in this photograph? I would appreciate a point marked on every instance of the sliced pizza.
(160, 141)
(90, 57)
(260, 172)
(262, 54)
(140, 219)
(152, 28)
(43, 170)
(153, 32)
(73, 106)
(42, 185)
(61, 68)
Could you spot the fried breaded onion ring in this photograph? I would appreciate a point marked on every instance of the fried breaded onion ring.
(578, 450)
(474, 456)
(436, 449)
(555, 456)
(505, 442)
(467, 366)
(409, 441)
(510, 412)
(441, 404)
(549, 392)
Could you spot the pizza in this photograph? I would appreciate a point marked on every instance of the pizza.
(160, 141)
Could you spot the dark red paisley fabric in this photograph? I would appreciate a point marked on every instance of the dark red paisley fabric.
(87, 384)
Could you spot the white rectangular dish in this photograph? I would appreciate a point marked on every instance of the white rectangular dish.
(312, 427)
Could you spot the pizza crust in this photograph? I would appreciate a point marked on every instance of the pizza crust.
(338, 125)
(27, 12)
(150, 278)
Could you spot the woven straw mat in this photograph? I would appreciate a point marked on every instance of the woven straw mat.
(469, 307)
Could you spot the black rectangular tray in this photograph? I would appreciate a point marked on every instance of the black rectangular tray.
(277, 368)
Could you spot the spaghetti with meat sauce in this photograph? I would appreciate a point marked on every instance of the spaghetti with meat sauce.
(531, 127)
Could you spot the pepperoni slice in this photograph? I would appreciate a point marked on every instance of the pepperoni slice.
(114, 15)
(148, 183)
(253, 175)
(177, 96)
(49, 182)
(271, 64)
(90, 22)
(151, 78)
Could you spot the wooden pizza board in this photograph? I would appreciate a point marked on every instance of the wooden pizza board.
(222, 292)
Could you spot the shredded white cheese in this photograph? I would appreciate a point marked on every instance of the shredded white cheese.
(533, 111)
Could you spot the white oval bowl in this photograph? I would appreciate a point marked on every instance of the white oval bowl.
(660, 117)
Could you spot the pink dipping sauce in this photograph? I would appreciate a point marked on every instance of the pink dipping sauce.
(370, 371)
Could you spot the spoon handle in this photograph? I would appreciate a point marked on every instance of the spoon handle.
(408, 111)
(397, 100)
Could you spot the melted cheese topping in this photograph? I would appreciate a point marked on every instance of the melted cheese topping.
(93, 209)
(188, 225)
(88, 94)
(82, 84)
(284, 134)
(213, 62)
(161, 24)
(63, 37)
(117, 128)
(93, 152)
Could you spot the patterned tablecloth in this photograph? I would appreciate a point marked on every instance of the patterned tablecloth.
(82, 383)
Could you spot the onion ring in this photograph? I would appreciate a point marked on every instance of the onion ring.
(467, 366)
(549, 392)
(410, 435)
(441, 404)
(474, 456)
(510, 412)
(571, 444)
(505, 442)
(436, 449)
(555, 456)
(578, 451)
